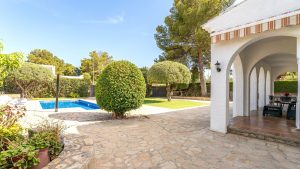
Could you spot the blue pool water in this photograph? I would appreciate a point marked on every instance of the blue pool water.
(69, 104)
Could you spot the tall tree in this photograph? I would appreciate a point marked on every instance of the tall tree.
(9, 62)
(43, 56)
(95, 64)
(182, 36)
(70, 70)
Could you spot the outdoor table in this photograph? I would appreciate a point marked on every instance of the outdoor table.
(278, 97)
(285, 100)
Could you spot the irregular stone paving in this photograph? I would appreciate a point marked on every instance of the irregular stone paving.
(78, 153)
(182, 139)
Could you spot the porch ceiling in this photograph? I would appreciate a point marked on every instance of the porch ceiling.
(281, 60)
(250, 11)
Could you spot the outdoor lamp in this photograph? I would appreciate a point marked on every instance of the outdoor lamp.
(218, 66)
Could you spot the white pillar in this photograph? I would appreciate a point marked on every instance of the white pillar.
(298, 102)
(219, 98)
(238, 88)
(261, 88)
(253, 90)
(268, 87)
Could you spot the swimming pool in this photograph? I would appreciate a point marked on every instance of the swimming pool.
(46, 105)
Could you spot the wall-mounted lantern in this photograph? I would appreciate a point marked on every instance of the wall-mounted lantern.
(218, 66)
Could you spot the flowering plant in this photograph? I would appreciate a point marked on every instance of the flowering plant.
(286, 94)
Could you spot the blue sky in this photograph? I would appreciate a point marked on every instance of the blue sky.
(72, 28)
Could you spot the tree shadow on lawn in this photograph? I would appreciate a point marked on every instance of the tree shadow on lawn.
(150, 101)
(82, 116)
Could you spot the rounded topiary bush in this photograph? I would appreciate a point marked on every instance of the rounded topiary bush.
(120, 88)
(173, 74)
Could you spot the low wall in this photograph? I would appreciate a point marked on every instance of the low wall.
(78, 153)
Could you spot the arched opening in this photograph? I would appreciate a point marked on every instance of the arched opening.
(250, 52)
(262, 62)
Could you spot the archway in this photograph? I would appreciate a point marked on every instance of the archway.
(250, 50)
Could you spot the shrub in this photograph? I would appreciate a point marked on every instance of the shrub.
(145, 70)
(29, 77)
(68, 88)
(74, 95)
(169, 73)
(71, 88)
(120, 88)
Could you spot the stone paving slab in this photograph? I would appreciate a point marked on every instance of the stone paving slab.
(78, 153)
(182, 139)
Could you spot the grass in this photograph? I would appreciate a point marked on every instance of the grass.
(174, 104)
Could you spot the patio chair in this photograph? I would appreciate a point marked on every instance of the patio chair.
(285, 100)
(291, 113)
(271, 99)
(273, 110)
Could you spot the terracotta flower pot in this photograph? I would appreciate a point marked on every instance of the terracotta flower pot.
(44, 159)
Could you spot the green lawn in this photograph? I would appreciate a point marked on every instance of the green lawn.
(174, 104)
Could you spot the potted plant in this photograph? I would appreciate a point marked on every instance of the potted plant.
(48, 134)
(18, 154)
(286, 94)
(41, 142)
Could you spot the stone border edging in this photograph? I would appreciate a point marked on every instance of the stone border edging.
(78, 153)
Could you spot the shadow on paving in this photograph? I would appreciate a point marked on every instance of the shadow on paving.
(82, 116)
(174, 122)
(181, 139)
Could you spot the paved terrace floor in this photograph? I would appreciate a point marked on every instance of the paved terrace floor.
(276, 128)
(182, 139)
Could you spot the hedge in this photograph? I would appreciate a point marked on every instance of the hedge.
(286, 86)
(194, 89)
(279, 87)
(68, 88)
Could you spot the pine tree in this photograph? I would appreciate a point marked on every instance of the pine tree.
(182, 37)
